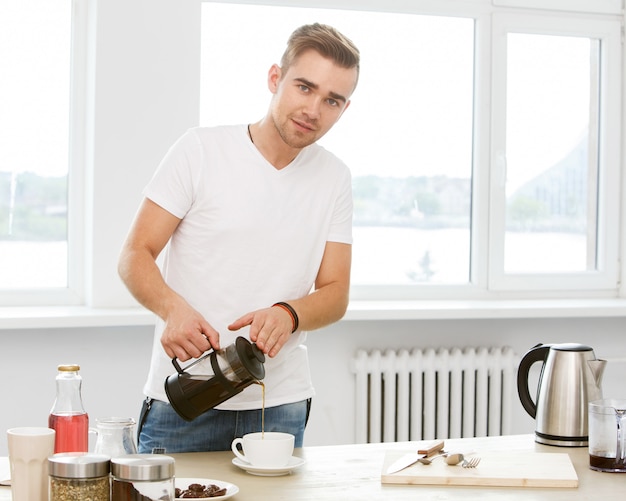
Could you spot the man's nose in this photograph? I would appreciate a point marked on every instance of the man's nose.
(313, 107)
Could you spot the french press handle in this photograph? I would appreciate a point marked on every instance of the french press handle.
(182, 371)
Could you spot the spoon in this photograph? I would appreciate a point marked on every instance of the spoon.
(454, 459)
(460, 459)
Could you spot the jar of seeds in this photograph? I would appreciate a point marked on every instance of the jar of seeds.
(142, 477)
(76, 476)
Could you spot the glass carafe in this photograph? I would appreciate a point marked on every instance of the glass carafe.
(607, 435)
(115, 436)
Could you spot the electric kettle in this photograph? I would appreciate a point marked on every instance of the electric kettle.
(570, 378)
(233, 369)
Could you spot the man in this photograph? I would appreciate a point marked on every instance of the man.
(252, 216)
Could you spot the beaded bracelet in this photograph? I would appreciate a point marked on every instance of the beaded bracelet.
(294, 316)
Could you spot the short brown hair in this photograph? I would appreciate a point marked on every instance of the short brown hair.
(325, 40)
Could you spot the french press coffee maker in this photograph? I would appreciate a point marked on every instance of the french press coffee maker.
(234, 368)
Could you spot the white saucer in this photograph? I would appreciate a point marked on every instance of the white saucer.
(294, 462)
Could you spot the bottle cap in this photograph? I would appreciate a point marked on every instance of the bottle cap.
(68, 368)
(143, 467)
(78, 465)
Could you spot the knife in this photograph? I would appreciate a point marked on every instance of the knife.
(408, 459)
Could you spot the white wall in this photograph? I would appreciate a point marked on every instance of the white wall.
(114, 363)
(145, 89)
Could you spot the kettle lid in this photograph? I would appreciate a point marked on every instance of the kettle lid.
(250, 357)
(571, 347)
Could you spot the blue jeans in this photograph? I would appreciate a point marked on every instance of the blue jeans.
(162, 430)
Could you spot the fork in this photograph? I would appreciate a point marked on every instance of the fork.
(472, 463)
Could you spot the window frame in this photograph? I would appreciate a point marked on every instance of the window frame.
(74, 292)
(488, 280)
(608, 32)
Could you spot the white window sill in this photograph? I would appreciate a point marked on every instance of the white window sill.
(50, 317)
(485, 309)
(68, 316)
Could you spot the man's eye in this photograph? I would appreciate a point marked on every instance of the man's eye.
(303, 88)
(333, 102)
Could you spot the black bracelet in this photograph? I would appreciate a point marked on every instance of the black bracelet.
(294, 316)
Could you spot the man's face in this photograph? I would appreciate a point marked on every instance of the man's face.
(309, 97)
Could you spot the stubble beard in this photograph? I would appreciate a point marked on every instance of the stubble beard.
(291, 138)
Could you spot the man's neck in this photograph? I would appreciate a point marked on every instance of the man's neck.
(269, 143)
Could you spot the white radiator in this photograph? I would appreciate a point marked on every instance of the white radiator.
(426, 394)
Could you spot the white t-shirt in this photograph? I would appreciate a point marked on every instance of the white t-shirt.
(250, 236)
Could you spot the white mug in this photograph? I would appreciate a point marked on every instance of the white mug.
(270, 449)
(29, 449)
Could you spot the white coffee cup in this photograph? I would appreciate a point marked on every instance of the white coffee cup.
(29, 449)
(265, 450)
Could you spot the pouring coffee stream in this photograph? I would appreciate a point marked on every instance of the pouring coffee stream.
(262, 409)
(234, 368)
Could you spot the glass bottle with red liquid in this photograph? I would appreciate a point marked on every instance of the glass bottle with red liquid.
(68, 417)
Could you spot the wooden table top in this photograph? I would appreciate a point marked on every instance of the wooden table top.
(353, 473)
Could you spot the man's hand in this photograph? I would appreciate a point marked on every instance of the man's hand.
(270, 328)
(187, 334)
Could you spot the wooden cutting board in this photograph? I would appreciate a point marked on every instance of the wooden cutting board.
(499, 469)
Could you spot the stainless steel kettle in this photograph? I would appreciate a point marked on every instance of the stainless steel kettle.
(570, 378)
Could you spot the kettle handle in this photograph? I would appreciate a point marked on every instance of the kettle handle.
(535, 354)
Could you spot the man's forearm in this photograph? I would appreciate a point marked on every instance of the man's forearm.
(322, 307)
(142, 277)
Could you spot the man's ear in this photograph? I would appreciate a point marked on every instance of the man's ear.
(273, 78)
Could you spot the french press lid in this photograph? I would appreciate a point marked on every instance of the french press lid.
(250, 357)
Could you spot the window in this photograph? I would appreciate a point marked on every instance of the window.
(470, 179)
(34, 146)
(93, 94)
(551, 189)
(555, 174)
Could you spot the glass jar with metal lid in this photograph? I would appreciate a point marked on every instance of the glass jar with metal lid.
(142, 477)
(76, 476)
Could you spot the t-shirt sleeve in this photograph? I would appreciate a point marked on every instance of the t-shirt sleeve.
(172, 186)
(341, 224)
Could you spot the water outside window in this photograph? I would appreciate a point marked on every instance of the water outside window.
(552, 154)
(34, 130)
